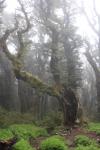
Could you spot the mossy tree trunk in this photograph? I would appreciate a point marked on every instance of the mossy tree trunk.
(69, 107)
(67, 98)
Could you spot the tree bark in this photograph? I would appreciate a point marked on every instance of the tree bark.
(69, 106)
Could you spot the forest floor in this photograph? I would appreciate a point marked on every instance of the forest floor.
(69, 137)
(30, 137)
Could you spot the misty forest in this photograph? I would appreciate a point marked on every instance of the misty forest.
(50, 75)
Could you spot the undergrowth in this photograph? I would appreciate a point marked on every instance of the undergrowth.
(22, 145)
(6, 134)
(53, 143)
(94, 127)
(83, 142)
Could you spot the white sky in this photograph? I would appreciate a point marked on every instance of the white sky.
(11, 5)
(84, 29)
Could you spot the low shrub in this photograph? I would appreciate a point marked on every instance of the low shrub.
(6, 134)
(82, 140)
(13, 117)
(94, 127)
(26, 131)
(22, 145)
(53, 143)
(52, 120)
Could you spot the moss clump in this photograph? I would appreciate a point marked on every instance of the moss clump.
(26, 131)
(6, 134)
(53, 143)
(22, 145)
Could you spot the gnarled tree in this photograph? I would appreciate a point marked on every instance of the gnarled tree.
(65, 94)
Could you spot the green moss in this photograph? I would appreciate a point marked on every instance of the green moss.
(31, 79)
(22, 145)
(53, 143)
(35, 82)
(6, 134)
(26, 131)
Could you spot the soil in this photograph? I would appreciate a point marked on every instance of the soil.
(69, 135)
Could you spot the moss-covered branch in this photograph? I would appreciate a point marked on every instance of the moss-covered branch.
(36, 83)
(33, 81)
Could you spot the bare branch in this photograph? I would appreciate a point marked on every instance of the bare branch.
(20, 32)
(94, 7)
(26, 19)
(8, 32)
(2, 5)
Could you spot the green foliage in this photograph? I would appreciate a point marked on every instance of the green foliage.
(22, 145)
(91, 147)
(8, 118)
(82, 140)
(94, 127)
(26, 131)
(53, 143)
(52, 120)
(84, 143)
(5, 134)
